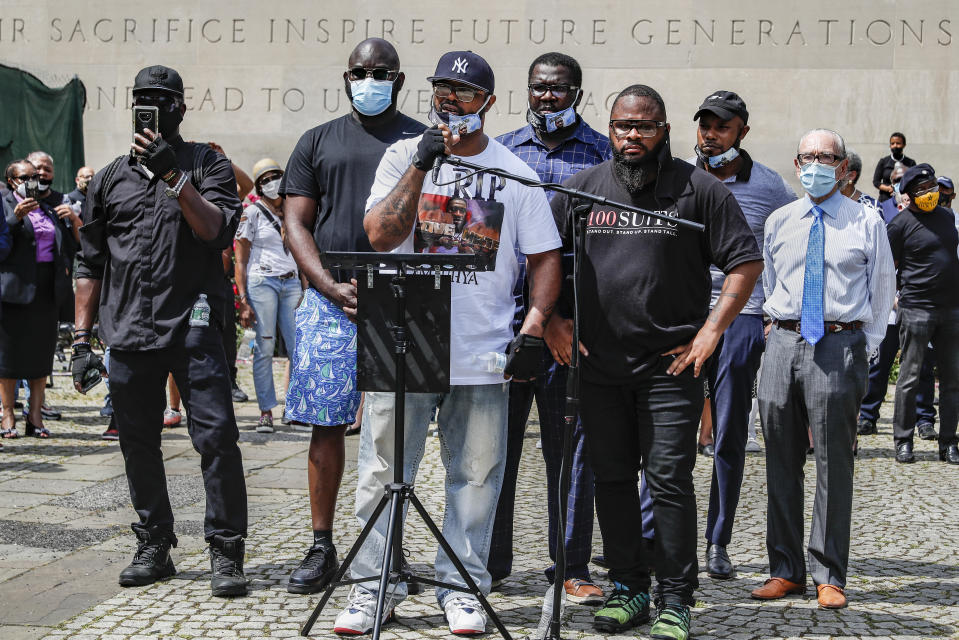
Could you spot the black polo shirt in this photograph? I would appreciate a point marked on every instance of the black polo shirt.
(884, 170)
(924, 248)
(153, 267)
(645, 283)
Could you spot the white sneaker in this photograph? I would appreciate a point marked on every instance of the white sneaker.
(357, 619)
(752, 445)
(464, 615)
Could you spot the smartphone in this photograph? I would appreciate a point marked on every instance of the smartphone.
(146, 118)
(31, 189)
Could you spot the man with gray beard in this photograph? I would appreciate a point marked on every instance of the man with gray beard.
(646, 333)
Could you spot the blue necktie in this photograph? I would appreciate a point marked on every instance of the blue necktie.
(812, 322)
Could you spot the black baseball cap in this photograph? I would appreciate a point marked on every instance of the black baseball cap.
(915, 175)
(466, 67)
(725, 105)
(158, 78)
(945, 182)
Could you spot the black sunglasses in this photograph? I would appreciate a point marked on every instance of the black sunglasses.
(377, 73)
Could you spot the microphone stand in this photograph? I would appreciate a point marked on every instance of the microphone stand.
(583, 204)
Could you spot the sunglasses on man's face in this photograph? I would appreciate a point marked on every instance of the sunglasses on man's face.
(24, 178)
(377, 73)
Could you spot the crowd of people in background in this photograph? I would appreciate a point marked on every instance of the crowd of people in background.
(788, 308)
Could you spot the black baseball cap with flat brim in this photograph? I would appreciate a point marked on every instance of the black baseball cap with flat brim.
(158, 78)
(467, 68)
(726, 105)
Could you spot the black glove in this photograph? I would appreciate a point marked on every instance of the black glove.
(159, 158)
(86, 366)
(430, 147)
(524, 357)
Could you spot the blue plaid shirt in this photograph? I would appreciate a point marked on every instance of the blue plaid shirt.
(585, 148)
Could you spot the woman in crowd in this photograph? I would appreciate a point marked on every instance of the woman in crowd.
(267, 281)
(34, 279)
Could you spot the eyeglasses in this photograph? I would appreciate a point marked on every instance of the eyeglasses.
(560, 91)
(377, 73)
(821, 158)
(463, 94)
(645, 128)
(922, 192)
(33, 176)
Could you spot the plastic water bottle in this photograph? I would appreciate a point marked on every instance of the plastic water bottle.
(247, 343)
(200, 315)
(546, 616)
(491, 362)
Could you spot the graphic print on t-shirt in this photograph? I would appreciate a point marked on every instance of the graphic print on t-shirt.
(460, 224)
(624, 223)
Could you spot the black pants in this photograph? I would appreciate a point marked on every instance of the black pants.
(651, 424)
(137, 385)
(229, 330)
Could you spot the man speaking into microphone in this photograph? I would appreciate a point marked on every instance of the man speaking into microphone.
(407, 210)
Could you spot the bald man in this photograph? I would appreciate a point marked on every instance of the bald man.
(83, 178)
(326, 183)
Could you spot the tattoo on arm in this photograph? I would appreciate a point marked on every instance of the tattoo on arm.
(396, 214)
(717, 310)
(547, 314)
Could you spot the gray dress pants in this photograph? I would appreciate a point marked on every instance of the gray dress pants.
(821, 387)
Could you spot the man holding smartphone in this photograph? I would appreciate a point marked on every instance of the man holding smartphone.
(155, 224)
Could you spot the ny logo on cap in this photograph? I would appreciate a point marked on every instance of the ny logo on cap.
(459, 65)
(158, 75)
(715, 96)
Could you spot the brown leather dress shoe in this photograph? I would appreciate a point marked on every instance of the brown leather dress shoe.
(830, 596)
(583, 592)
(776, 588)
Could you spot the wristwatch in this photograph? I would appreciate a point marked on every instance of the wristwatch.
(174, 191)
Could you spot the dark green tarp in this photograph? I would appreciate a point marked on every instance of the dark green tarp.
(34, 116)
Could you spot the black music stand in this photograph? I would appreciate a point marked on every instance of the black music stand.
(401, 270)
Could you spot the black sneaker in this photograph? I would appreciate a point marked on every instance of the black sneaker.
(926, 431)
(152, 560)
(226, 563)
(316, 570)
(866, 427)
(238, 394)
(623, 610)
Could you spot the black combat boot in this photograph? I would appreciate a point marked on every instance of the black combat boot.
(152, 560)
(226, 563)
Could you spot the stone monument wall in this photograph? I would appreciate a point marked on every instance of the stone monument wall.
(258, 74)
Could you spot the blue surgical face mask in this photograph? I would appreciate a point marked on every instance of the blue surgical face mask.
(721, 160)
(462, 125)
(817, 179)
(371, 97)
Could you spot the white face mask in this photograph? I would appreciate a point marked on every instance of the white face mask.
(270, 189)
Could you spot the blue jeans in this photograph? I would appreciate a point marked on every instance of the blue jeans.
(274, 303)
(472, 430)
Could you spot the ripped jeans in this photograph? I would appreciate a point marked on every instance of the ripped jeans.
(472, 432)
(274, 302)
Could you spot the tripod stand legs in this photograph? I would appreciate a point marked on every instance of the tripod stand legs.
(385, 574)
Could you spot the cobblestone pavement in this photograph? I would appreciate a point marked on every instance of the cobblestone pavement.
(64, 535)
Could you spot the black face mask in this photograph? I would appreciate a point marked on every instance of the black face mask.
(169, 122)
(897, 154)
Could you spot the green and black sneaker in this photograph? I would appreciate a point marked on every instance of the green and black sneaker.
(672, 623)
(623, 610)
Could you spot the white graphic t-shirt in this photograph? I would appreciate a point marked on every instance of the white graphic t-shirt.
(483, 215)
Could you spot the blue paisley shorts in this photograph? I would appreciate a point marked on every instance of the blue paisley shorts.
(323, 364)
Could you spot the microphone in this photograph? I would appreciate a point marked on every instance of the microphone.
(436, 168)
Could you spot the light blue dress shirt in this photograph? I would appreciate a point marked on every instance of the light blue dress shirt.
(859, 274)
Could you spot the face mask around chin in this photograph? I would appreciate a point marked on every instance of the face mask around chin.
(462, 125)
(817, 179)
(43, 185)
(721, 160)
(552, 122)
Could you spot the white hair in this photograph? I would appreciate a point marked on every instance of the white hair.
(840, 143)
